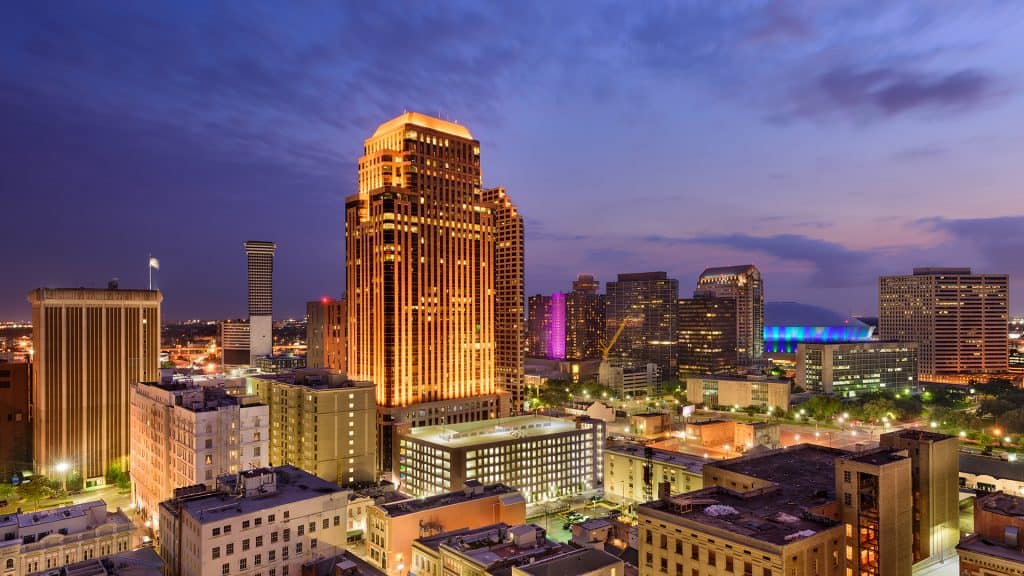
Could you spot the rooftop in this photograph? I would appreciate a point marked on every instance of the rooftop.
(938, 271)
(920, 435)
(424, 121)
(981, 545)
(94, 294)
(678, 459)
(799, 314)
(728, 270)
(496, 544)
(991, 466)
(879, 457)
(575, 562)
(33, 519)
(507, 494)
(1002, 504)
(314, 379)
(488, 431)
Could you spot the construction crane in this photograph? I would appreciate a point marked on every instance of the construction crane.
(605, 350)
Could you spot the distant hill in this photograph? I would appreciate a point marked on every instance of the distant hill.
(797, 314)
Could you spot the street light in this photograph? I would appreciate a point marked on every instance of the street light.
(62, 469)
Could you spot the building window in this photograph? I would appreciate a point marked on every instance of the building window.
(245, 524)
(225, 569)
(229, 549)
(846, 476)
(259, 541)
(216, 552)
(847, 499)
(242, 564)
(245, 544)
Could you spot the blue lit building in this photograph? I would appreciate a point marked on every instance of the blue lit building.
(788, 324)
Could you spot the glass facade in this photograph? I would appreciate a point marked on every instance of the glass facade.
(847, 369)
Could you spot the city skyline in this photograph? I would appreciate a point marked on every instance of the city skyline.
(828, 146)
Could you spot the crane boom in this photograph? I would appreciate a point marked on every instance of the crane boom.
(618, 332)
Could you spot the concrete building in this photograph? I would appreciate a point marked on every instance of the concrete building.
(326, 339)
(644, 307)
(15, 421)
(392, 527)
(267, 520)
(743, 284)
(991, 474)
(542, 457)
(739, 392)
(90, 346)
(260, 258)
(47, 540)
(582, 562)
(730, 436)
(626, 479)
(850, 368)
(279, 363)
(139, 562)
(707, 335)
(185, 434)
(233, 336)
(509, 296)
(629, 379)
(419, 244)
(650, 423)
(488, 550)
(958, 319)
(995, 548)
(584, 319)
(321, 422)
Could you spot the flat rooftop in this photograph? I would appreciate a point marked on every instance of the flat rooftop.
(920, 435)
(314, 379)
(579, 561)
(489, 431)
(995, 467)
(688, 462)
(981, 545)
(509, 496)
(879, 457)
(1002, 504)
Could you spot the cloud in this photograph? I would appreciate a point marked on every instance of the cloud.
(997, 242)
(916, 153)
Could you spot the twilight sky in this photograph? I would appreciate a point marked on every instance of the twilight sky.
(826, 142)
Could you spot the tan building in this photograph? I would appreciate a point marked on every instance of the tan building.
(326, 342)
(90, 347)
(267, 520)
(392, 527)
(650, 423)
(419, 260)
(730, 436)
(744, 285)
(737, 392)
(185, 434)
(320, 422)
(958, 319)
(996, 548)
(45, 541)
(583, 562)
(488, 550)
(626, 479)
(15, 424)
(509, 296)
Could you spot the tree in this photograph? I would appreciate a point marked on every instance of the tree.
(822, 407)
(35, 489)
(7, 491)
(1012, 421)
(877, 409)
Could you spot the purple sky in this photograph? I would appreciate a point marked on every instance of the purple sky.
(826, 142)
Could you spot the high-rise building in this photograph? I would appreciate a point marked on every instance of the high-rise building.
(185, 433)
(90, 345)
(643, 306)
(260, 256)
(326, 342)
(233, 336)
(420, 260)
(538, 326)
(958, 319)
(707, 335)
(850, 368)
(509, 296)
(15, 424)
(584, 319)
(742, 283)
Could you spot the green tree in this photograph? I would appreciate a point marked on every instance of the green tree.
(7, 491)
(822, 407)
(35, 489)
(1012, 420)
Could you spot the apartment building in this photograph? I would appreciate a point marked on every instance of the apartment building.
(626, 479)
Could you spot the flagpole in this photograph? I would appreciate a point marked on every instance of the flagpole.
(149, 266)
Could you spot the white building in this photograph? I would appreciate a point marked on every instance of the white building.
(268, 521)
(185, 433)
(48, 540)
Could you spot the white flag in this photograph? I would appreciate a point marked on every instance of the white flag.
(154, 263)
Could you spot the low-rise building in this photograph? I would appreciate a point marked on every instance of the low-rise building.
(321, 422)
(392, 527)
(628, 379)
(269, 520)
(851, 368)
(582, 562)
(738, 392)
(650, 423)
(626, 479)
(488, 550)
(996, 548)
(991, 474)
(543, 457)
(730, 436)
(279, 362)
(139, 562)
(48, 540)
(185, 433)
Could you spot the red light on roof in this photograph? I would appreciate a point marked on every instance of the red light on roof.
(324, 300)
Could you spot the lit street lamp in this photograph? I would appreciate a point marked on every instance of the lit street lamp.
(62, 468)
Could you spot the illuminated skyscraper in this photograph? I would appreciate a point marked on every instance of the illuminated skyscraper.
(260, 256)
(90, 346)
(742, 283)
(326, 342)
(584, 319)
(538, 325)
(509, 295)
(957, 319)
(707, 335)
(644, 307)
(420, 268)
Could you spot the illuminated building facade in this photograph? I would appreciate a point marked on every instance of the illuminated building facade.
(958, 319)
(260, 258)
(419, 257)
(730, 391)
(542, 457)
(90, 346)
(625, 479)
(646, 304)
(509, 296)
(584, 319)
(850, 368)
(233, 336)
(744, 284)
(15, 424)
(707, 335)
(996, 548)
(538, 325)
(326, 342)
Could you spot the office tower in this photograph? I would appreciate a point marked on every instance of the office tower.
(851, 368)
(419, 257)
(509, 295)
(321, 422)
(260, 256)
(326, 342)
(15, 424)
(641, 310)
(268, 520)
(91, 345)
(233, 336)
(584, 319)
(996, 547)
(707, 335)
(936, 491)
(184, 433)
(538, 326)
(744, 284)
(958, 319)
(519, 451)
